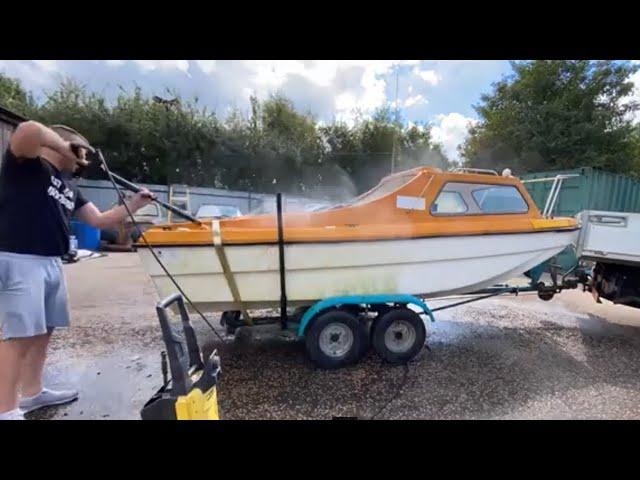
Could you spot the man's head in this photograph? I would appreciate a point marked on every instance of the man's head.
(69, 135)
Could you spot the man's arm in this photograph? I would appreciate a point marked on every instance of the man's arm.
(29, 138)
(90, 214)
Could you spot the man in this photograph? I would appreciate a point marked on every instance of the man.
(36, 204)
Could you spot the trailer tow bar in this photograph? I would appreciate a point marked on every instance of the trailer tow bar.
(502, 291)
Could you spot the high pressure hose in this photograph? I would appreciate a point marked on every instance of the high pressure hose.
(153, 253)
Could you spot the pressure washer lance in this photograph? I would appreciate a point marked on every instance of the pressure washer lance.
(75, 147)
(136, 189)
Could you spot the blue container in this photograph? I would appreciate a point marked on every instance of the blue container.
(88, 236)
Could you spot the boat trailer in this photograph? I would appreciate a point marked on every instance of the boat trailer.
(338, 331)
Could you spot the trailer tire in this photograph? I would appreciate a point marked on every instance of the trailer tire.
(335, 339)
(398, 336)
(231, 320)
(358, 313)
(546, 296)
(365, 344)
(545, 293)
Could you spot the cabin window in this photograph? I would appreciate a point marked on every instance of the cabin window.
(499, 199)
(449, 203)
(460, 198)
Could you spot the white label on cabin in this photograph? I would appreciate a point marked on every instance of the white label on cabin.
(410, 203)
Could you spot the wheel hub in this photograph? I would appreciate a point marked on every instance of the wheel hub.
(400, 336)
(336, 340)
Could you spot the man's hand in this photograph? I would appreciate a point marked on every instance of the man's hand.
(90, 214)
(76, 152)
(140, 199)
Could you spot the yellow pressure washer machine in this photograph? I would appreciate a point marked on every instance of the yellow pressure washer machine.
(191, 393)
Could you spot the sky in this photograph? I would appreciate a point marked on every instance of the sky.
(441, 93)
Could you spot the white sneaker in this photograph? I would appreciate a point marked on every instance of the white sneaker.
(15, 414)
(47, 398)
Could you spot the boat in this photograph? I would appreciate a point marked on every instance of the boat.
(424, 232)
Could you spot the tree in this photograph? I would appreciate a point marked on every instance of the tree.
(556, 114)
(143, 139)
(635, 168)
(290, 145)
(364, 151)
(14, 97)
(418, 148)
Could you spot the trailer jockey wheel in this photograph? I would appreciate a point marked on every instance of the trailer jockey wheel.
(398, 335)
(545, 293)
(546, 296)
(335, 339)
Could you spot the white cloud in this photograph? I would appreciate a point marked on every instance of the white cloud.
(319, 72)
(373, 86)
(367, 93)
(414, 100)
(151, 65)
(47, 65)
(37, 74)
(429, 76)
(207, 66)
(273, 72)
(330, 89)
(451, 130)
(337, 89)
(345, 102)
(247, 93)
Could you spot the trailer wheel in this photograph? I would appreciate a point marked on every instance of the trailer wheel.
(231, 320)
(545, 293)
(335, 339)
(358, 313)
(546, 296)
(398, 335)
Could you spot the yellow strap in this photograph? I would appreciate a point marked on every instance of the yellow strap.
(228, 274)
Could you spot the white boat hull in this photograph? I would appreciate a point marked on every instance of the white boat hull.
(428, 267)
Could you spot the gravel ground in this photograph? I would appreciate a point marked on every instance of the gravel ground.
(503, 358)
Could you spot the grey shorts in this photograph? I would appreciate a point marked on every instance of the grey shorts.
(33, 295)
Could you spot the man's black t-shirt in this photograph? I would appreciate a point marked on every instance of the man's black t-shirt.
(36, 205)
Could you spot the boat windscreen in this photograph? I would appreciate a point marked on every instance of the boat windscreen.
(386, 187)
